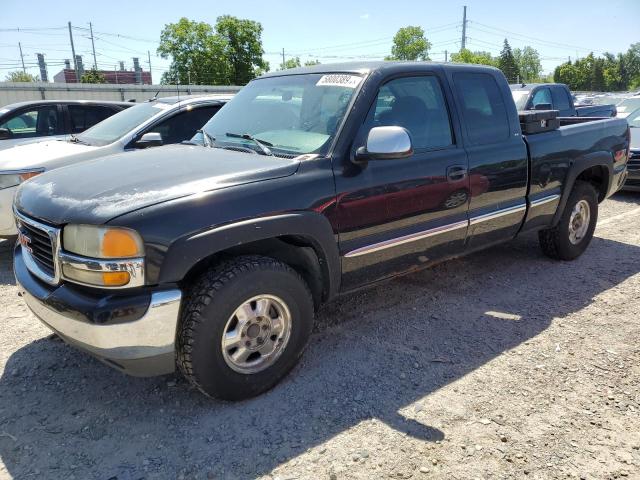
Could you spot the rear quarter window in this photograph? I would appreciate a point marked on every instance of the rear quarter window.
(483, 108)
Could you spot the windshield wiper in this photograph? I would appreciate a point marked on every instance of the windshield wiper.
(263, 145)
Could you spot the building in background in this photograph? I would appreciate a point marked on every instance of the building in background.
(116, 76)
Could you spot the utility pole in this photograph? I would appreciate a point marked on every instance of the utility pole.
(73, 53)
(150, 75)
(95, 62)
(446, 56)
(22, 57)
(283, 58)
(464, 28)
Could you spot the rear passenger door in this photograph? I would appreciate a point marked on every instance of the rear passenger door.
(396, 214)
(498, 161)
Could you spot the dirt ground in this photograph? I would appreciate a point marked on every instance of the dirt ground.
(503, 364)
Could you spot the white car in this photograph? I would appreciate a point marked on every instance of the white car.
(154, 123)
(628, 105)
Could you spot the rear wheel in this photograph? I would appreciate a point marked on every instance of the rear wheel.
(573, 233)
(244, 326)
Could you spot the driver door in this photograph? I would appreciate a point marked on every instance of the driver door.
(394, 215)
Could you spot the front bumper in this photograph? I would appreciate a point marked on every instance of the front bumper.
(7, 221)
(134, 333)
(632, 182)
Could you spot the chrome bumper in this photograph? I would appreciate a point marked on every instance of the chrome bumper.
(144, 347)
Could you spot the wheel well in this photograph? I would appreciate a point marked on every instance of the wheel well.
(598, 176)
(297, 252)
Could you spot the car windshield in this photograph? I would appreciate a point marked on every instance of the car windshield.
(520, 97)
(634, 119)
(628, 105)
(118, 125)
(292, 114)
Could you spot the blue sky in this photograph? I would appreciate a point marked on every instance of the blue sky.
(328, 30)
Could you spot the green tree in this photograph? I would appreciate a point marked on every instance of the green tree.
(507, 63)
(242, 40)
(311, 63)
(229, 53)
(293, 62)
(409, 43)
(528, 61)
(632, 65)
(478, 58)
(19, 76)
(93, 76)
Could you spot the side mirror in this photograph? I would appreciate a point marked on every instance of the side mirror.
(386, 143)
(150, 139)
(543, 106)
(5, 134)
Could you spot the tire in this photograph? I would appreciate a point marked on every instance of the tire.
(557, 242)
(213, 309)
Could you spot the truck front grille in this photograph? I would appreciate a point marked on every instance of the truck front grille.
(39, 243)
(634, 161)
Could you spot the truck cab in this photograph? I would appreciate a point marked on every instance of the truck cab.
(555, 96)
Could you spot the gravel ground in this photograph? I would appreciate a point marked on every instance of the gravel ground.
(503, 364)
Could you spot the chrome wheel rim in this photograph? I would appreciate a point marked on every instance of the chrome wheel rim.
(256, 334)
(579, 221)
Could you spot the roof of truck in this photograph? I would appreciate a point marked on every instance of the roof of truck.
(529, 86)
(368, 67)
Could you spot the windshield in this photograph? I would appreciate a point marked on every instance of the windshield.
(118, 125)
(634, 119)
(520, 97)
(629, 105)
(293, 114)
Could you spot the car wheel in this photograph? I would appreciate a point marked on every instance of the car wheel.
(244, 326)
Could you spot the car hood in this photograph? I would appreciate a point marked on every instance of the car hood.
(42, 154)
(97, 191)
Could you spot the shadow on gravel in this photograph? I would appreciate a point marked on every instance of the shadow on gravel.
(64, 414)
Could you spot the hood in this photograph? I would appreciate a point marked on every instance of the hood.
(95, 192)
(42, 154)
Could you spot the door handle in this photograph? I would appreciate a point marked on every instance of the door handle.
(456, 172)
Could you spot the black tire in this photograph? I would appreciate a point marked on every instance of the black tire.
(555, 241)
(212, 301)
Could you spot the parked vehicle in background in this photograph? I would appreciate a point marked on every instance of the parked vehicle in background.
(555, 96)
(633, 179)
(311, 182)
(160, 122)
(28, 122)
(628, 105)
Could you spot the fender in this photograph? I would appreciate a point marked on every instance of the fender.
(314, 227)
(594, 159)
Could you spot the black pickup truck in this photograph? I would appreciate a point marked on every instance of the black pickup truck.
(310, 183)
(556, 96)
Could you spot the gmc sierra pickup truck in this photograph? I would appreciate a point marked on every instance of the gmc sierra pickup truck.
(556, 96)
(309, 183)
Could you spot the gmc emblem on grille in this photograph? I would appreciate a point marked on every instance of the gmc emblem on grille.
(24, 241)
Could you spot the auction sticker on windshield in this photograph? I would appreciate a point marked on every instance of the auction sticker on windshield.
(339, 80)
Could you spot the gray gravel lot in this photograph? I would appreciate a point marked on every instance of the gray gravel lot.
(503, 364)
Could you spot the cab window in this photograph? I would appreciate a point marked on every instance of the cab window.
(541, 96)
(183, 126)
(34, 122)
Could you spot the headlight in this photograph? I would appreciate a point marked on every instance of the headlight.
(102, 244)
(12, 179)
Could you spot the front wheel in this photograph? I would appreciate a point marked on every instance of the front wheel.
(244, 327)
(573, 233)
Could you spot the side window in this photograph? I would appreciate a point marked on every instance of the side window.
(183, 125)
(417, 104)
(485, 113)
(561, 99)
(542, 96)
(85, 116)
(36, 122)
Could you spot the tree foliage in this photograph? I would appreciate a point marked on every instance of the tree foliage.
(409, 43)
(93, 76)
(19, 76)
(311, 63)
(607, 73)
(478, 58)
(229, 53)
(293, 62)
(528, 61)
(507, 63)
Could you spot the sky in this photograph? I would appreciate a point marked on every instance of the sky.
(328, 30)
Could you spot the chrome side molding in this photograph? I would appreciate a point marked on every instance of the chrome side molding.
(545, 200)
(497, 214)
